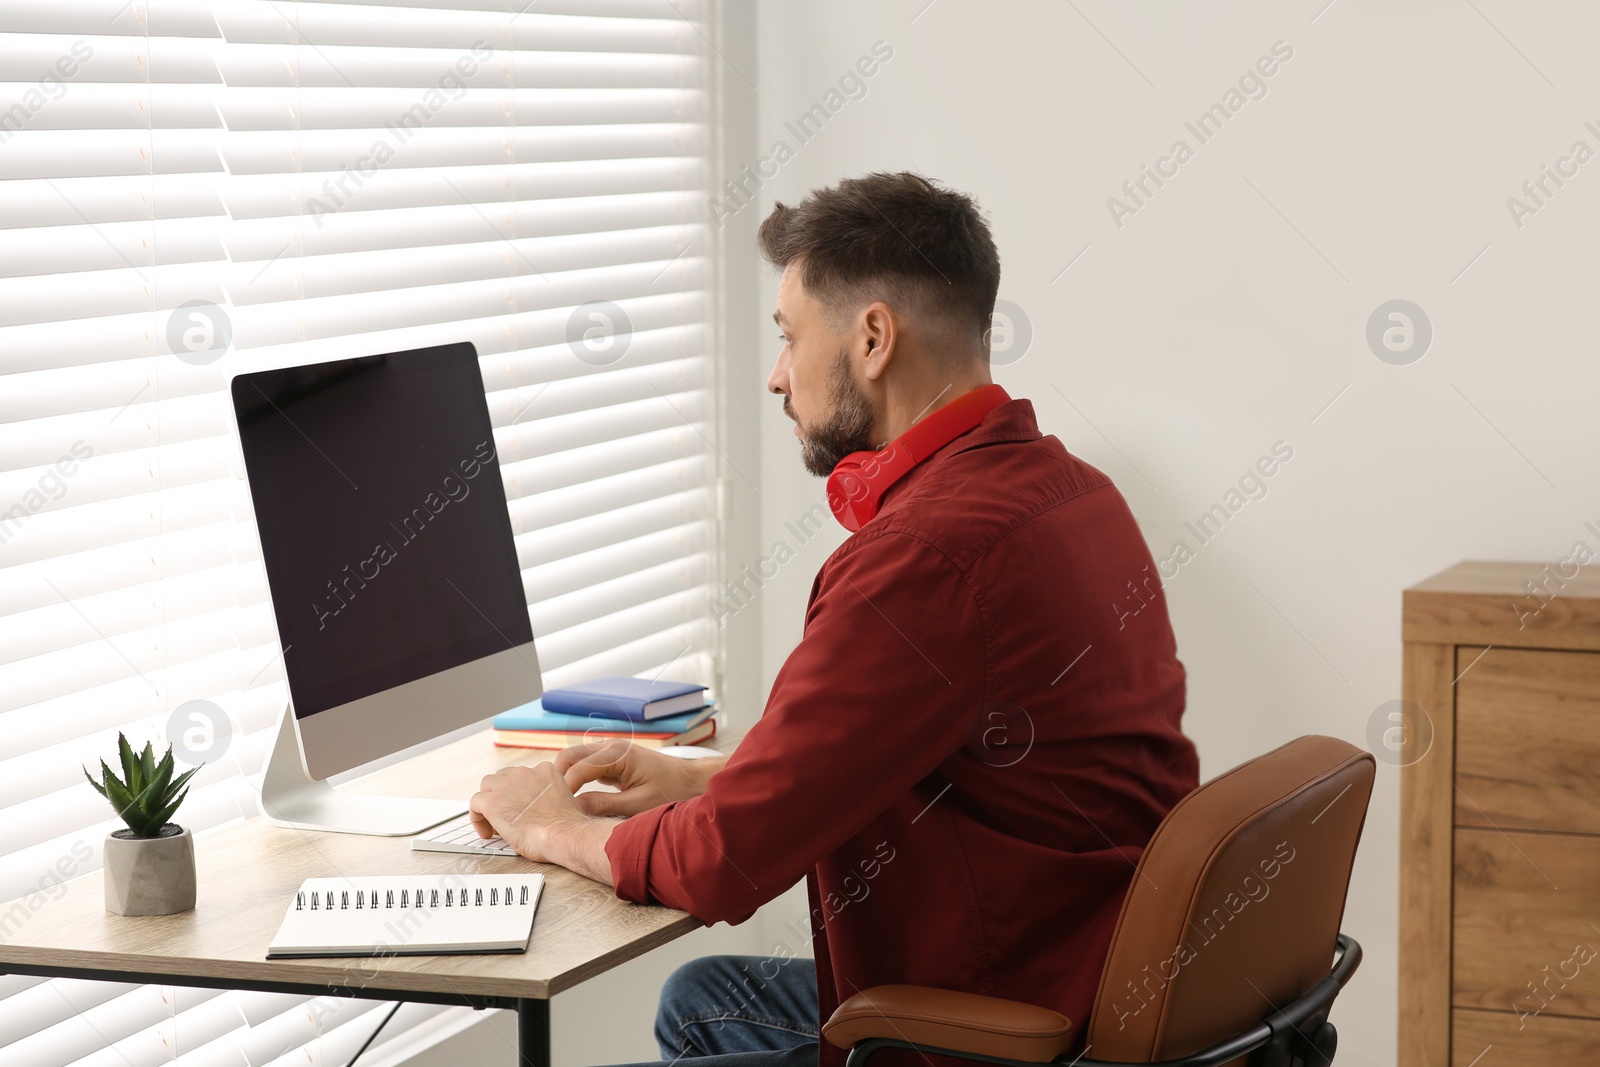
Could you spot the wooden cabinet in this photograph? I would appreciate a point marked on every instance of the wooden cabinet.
(1499, 747)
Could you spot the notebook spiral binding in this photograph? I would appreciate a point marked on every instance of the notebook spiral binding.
(304, 901)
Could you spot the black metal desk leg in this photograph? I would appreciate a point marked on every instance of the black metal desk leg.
(533, 1033)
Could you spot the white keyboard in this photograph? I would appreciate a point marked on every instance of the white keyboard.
(458, 835)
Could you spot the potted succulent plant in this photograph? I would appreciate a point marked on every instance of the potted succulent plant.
(149, 867)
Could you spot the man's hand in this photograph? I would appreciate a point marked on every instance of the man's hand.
(645, 778)
(534, 810)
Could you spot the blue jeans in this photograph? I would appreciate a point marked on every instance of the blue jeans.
(740, 1011)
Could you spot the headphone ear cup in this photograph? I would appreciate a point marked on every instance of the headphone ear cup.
(848, 490)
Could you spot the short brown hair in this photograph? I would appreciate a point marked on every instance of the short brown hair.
(889, 235)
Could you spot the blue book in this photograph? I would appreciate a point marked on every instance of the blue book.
(533, 716)
(615, 697)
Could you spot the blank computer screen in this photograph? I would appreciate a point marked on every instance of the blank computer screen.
(383, 520)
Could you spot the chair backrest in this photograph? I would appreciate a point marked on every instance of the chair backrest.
(1235, 908)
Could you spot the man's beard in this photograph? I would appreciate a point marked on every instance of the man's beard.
(845, 428)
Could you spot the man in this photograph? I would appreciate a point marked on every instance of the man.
(968, 750)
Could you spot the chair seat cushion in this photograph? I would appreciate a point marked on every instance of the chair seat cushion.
(944, 1018)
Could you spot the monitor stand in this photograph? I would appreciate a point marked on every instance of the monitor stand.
(291, 797)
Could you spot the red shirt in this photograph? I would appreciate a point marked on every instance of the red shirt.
(969, 748)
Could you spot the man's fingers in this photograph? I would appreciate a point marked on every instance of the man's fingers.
(580, 774)
(603, 751)
(581, 764)
(575, 754)
(480, 821)
(628, 802)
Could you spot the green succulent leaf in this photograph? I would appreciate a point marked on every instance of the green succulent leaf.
(129, 762)
(157, 790)
(164, 816)
(182, 780)
(147, 766)
(98, 787)
(123, 801)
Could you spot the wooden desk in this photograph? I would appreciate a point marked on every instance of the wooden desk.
(248, 873)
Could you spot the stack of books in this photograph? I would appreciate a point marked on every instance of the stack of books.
(652, 714)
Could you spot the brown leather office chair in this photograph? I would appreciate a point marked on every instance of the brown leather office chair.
(1223, 951)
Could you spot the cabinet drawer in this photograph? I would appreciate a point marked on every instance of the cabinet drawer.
(1499, 1039)
(1526, 932)
(1528, 739)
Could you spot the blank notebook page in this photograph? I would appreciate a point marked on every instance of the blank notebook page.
(433, 915)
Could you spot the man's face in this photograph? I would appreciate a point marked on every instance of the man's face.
(833, 417)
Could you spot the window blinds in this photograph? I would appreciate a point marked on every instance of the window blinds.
(194, 188)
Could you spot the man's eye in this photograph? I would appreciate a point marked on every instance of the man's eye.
(783, 338)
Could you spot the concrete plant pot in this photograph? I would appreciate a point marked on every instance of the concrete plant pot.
(150, 875)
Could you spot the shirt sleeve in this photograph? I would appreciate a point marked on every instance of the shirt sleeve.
(887, 682)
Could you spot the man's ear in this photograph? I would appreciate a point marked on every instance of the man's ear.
(879, 331)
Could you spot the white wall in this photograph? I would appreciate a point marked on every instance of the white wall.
(1229, 311)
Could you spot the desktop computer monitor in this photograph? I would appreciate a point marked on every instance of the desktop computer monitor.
(389, 555)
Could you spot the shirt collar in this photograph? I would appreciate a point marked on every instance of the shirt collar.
(1012, 421)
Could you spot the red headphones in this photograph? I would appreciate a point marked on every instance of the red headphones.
(860, 479)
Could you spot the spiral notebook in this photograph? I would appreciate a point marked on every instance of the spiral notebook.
(432, 915)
